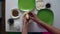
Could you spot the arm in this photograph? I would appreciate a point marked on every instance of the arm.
(24, 31)
(25, 25)
(51, 29)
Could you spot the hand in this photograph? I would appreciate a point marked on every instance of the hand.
(51, 29)
(33, 16)
(25, 20)
(25, 25)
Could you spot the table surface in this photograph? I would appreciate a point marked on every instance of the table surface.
(55, 4)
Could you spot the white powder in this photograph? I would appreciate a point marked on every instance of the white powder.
(39, 4)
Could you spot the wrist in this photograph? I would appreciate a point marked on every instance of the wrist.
(25, 24)
(37, 20)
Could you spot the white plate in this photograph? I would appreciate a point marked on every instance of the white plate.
(16, 16)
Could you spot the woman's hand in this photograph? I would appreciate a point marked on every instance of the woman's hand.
(25, 20)
(51, 29)
(33, 16)
(25, 25)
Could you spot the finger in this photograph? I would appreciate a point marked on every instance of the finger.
(25, 19)
(31, 18)
(31, 14)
